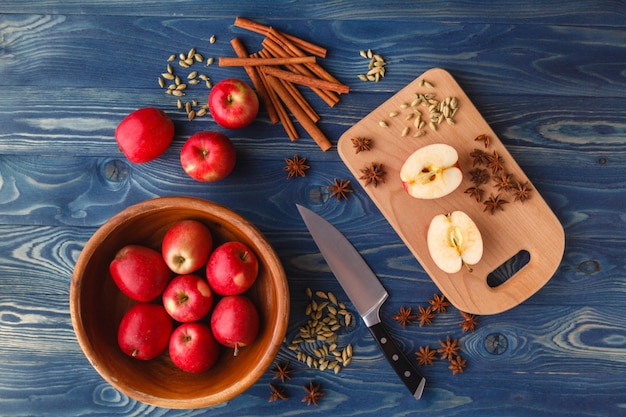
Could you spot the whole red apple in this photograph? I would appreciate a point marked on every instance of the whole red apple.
(186, 246)
(144, 331)
(193, 348)
(233, 103)
(140, 272)
(144, 134)
(235, 322)
(232, 268)
(208, 156)
(187, 298)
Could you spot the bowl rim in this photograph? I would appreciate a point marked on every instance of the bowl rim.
(194, 203)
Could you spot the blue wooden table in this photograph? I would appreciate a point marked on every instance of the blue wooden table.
(548, 76)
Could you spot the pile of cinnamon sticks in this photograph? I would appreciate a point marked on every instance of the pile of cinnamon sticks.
(284, 62)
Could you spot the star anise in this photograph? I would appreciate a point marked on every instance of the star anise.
(313, 394)
(282, 371)
(475, 192)
(469, 323)
(504, 182)
(495, 162)
(480, 157)
(373, 174)
(494, 203)
(405, 316)
(439, 303)
(425, 316)
(479, 176)
(340, 189)
(457, 364)
(522, 191)
(483, 138)
(277, 393)
(426, 355)
(296, 166)
(449, 348)
(361, 144)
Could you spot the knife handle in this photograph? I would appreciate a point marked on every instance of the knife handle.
(407, 372)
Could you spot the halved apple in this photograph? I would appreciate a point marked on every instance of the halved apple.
(454, 241)
(431, 172)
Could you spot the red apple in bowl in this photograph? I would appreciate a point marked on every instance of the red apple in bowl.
(431, 171)
(186, 246)
(187, 298)
(232, 268)
(208, 156)
(193, 348)
(454, 241)
(144, 331)
(144, 134)
(139, 272)
(233, 103)
(235, 322)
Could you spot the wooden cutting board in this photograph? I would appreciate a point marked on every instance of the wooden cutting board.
(529, 226)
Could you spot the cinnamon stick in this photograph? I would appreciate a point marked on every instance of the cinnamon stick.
(316, 134)
(294, 51)
(328, 97)
(239, 62)
(255, 78)
(306, 80)
(295, 93)
(262, 29)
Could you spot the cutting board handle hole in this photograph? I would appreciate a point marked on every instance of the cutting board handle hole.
(508, 269)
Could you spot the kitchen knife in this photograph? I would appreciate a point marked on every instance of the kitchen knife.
(364, 290)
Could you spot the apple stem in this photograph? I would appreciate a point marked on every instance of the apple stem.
(236, 351)
(135, 353)
(469, 268)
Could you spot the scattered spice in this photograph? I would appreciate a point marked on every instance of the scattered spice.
(522, 191)
(376, 66)
(296, 166)
(480, 157)
(494, 203)
(425, 315)
(373, 174)
(475, 192)
(282, 371)
(457, 364)
(426, 355)
(277, 393)
(313, 394)
(327, 316)
(504, 181)
(449, 349)
(439, 303)
(469, 323)
(484, 138)
(495, 162)
(340, 189)
(479, 176)
(405, 316)
(361, 144)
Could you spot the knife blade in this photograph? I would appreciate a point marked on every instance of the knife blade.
(364, 291)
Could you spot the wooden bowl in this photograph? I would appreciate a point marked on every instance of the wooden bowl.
(97, 306)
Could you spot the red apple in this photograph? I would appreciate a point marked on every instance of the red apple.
(140, 272)
(208, 156)
(193, 348)
(232, 268)
(186, 246)
(144, 134)
(233, 103)
(187, 298)
(235, 322)
(144, 331)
